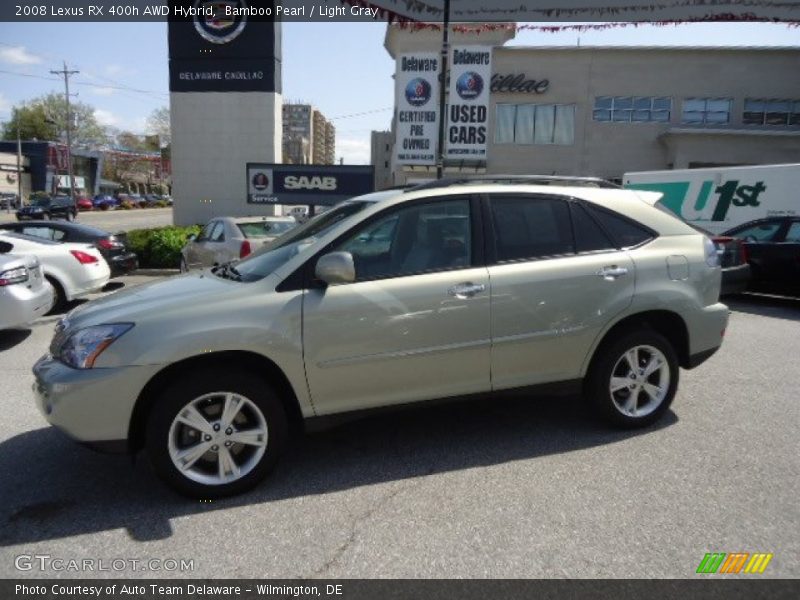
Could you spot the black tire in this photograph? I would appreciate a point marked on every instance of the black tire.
(71, 217)
(60, 297)
(187, 389)
(609, 361)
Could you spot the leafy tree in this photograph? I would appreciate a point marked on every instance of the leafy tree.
(45, 118)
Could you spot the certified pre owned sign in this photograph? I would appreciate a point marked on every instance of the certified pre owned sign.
(220, 21)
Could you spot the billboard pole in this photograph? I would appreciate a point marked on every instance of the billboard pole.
(443, 89)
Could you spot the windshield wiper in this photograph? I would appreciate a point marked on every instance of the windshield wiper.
(227, 271)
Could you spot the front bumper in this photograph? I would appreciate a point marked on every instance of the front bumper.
(92, 406)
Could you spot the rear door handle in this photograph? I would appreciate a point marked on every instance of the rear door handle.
(466, 290)
(610, 273)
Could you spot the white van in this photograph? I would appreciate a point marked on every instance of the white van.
(718, 199)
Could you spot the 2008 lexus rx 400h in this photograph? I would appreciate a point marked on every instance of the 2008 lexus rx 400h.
(444, 290)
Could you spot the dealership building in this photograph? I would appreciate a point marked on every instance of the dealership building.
(605, 111)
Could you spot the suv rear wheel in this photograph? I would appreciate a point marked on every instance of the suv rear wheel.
(216, 434)
(633, 379)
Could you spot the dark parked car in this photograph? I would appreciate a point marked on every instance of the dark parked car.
(733, 260)
(773, 251)
(8, 201)
(47, 207)
(152, 199)
(120, 260)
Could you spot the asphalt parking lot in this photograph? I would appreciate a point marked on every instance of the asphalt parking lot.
(117, 220)
(513, 489)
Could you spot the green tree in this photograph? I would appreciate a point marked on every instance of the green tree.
(33, 124)
(45, 118)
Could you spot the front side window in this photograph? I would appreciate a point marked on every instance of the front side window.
(420, 238)
(525, 124)
(530, 227)
(707, 111)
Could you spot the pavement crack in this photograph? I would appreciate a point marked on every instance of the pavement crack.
(352, 536)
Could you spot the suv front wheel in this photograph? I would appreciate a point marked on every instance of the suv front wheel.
(216, 434)
(633, 379)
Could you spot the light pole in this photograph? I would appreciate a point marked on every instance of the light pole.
(19, 164)
(443, 89)
(66, 74)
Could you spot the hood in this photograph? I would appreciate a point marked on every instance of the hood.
(169, 295)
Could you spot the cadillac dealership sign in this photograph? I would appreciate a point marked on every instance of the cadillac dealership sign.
(213, 23)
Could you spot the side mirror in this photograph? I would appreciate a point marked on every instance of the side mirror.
(336, 267)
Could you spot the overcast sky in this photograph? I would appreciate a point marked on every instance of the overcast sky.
(341, 68)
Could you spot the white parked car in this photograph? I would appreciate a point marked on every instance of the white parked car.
(24, 294)
(225, 239)
(73, 270)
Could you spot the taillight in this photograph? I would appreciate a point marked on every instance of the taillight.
(19, 275)
(83, 258)
(245, 249)
(106, 244)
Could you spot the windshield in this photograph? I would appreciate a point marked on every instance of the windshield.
(263, 262)
(256, 229)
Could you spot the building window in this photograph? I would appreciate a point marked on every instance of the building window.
(632, 109)
(771, 112)
(535, 124)
(707, 111)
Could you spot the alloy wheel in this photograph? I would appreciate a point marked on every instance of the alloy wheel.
(639, 381)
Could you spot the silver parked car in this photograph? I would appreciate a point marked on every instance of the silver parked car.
(225, 239)
(444, 290)
(24, 294)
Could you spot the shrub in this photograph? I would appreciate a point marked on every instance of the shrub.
(162, 204)
(126, 205)
(160, 248)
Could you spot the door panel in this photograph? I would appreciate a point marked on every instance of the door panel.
(546, 314)
(398, 340)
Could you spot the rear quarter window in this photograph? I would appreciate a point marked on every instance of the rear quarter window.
(625, 232)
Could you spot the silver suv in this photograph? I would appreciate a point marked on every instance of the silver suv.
(443, 290)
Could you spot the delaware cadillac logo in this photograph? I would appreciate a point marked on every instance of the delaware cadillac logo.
(418, 91)
(214, 25)
(470, 85)
(260, 181)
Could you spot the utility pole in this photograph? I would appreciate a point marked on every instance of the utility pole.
(19, 164)
(66, 75)
(443, 90)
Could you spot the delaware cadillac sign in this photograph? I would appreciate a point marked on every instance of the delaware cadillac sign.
(321, 185)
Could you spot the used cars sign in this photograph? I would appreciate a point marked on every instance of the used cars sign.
(322, 185)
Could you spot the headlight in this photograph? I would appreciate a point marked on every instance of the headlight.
(18, 275)
(82, 348)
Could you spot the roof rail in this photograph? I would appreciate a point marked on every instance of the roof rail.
(561, 180)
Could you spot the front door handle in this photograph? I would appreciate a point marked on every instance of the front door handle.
(466, 290)
(610, 273)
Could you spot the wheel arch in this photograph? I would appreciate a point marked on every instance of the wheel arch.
(667, 323)
(239, 359)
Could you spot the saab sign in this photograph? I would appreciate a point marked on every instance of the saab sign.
(322, 185)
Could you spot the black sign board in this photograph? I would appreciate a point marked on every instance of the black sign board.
(217, 49)
(321, 185)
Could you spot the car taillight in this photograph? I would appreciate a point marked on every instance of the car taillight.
(245, 249)
(108, 244)
(83, 258)
(12, 276)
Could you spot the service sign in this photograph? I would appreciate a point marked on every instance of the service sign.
(321, 185)
(417, 100)
(468, 107)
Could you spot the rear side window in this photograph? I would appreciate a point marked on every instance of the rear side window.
(589, 237)
(625, 232)
(531, 227)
